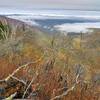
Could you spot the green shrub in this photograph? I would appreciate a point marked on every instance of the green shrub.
(5, 31)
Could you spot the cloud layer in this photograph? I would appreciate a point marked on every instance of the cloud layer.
(78, 4)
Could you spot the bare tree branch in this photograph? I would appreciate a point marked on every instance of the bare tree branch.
(11, 96)
(29, 85)
(70, 89)
(23, 66)
(19, 80)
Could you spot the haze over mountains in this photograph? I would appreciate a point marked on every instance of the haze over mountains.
(55, 15)
(52, 20)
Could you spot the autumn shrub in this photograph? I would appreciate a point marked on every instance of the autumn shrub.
(58, 62)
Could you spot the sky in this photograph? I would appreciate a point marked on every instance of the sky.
(66, 4)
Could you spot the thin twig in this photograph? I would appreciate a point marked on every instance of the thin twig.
(29, 85)
(19, 80)
(23, 66)
(17, 71)
(70, 89)
(61, 89)
(11, 96)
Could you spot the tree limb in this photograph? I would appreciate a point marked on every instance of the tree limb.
(66, 92)
(29, 85)
(23, 66)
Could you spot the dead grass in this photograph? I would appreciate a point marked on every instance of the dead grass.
(54, 74)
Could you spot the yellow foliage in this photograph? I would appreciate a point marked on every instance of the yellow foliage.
(76, 43)
(98, 48)
(31, 51)
(28, 49)
(61, 56)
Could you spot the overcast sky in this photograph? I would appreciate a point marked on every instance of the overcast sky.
(68, 4)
